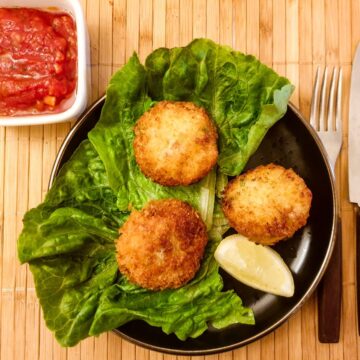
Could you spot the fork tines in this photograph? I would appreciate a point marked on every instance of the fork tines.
(323, 108)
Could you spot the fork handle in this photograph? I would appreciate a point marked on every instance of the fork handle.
(329, 295)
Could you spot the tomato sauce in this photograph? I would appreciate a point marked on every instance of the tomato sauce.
(38, 60)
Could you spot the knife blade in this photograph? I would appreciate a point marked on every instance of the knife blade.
(354, 161)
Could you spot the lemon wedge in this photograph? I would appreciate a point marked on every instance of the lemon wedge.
(255, 265)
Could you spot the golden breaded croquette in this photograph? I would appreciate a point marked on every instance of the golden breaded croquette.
(162, 245)
(267, 204)
(175, 143)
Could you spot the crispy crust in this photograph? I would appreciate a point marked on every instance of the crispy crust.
(267, 204)
(175, 143)
(162, 245)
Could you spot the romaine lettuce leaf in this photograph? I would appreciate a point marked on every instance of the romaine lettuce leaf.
(185, 311)
(112, 137)
(80, 207)
(244, 97)
(82, 293)
(69, 242)
(69, 239)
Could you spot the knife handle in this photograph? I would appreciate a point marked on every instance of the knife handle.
(357, 224)
(329, 295)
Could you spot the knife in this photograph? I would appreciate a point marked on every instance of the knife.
(354, 161)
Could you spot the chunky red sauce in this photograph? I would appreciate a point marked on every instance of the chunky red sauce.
(38, 60)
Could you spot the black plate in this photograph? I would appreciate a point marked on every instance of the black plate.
(291, 143)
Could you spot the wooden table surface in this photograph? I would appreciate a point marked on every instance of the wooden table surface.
(293, 37)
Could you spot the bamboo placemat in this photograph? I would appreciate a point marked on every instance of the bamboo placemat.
(293, 37)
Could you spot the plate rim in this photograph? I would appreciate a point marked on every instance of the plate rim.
(312, 287)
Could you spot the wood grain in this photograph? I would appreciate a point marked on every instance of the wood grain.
(292, 36)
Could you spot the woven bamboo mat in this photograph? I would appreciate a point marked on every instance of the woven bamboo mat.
(292, 36)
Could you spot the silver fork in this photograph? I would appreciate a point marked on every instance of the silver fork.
(331, 136)
(325, 118)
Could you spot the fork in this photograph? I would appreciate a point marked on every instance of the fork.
(327, 123)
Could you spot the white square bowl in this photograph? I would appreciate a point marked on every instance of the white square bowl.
(81, 94)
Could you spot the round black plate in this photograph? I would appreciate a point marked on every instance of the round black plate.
(291, 143)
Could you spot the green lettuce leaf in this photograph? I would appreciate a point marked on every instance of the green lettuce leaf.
(112, 137)
(69, 242)
(79, 207)
(244, 97)
(82, 293)
(69, 287)
(69, 238)
(185, 312)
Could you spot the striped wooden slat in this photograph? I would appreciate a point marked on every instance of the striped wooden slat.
(292, 36)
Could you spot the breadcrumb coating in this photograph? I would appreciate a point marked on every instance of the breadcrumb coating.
(267, 204)
(162, 245)
(175, 143)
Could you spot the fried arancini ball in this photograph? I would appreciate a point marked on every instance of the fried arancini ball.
(267, 204)
(175, 143)
(162, 245)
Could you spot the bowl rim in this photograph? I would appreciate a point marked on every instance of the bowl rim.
(298, 305)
